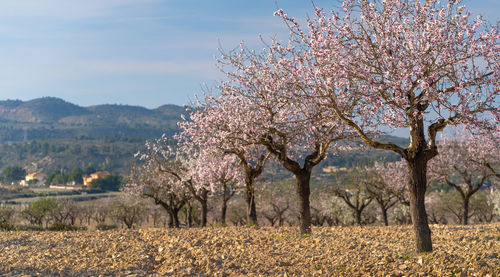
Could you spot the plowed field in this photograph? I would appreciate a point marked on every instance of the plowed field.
(337, 251)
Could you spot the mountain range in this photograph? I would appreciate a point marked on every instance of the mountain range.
(50, 117)
(51, 134)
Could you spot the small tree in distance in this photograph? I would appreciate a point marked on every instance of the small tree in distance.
(393, 177)
(382, 192)
(152, 178)
(351, 187)
(223, 172)
(128, 210)
(458, 166)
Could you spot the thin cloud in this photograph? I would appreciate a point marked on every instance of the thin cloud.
(64, 9)
(205, 69)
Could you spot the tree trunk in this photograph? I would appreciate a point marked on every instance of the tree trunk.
(204, 211)
(175, 218)
(383, 209)
(465, 216)
(303, 192)
(128, 223)
(358, 216)
(417, 169)
(170, 219)
(155, 220)
(223, 210)
(189, 215)
(250, 201)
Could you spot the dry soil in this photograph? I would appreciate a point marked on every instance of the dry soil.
(240, 251)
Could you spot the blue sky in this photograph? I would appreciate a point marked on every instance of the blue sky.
(135, 52)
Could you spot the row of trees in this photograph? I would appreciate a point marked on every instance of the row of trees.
(347, 75)
(351, 202)
(181, 178)
(64, 214)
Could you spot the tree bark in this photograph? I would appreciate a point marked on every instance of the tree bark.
(223, 210)
(172, 209)
(417, 168)
(204, 211)
(465, 216)
(175, 218)
(250, 201)
(303, 192)
(189, 215)
(384, 214)
(358, 216)
(251, 173)
(170, 219)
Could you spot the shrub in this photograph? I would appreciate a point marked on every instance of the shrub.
(6, 217)
(104, 226)
(29, 228)
(39, 211)
(63, 227)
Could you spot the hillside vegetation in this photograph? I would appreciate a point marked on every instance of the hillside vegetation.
(49, 133)
(49, 118)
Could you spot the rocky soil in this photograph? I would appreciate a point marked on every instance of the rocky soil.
(338, 251)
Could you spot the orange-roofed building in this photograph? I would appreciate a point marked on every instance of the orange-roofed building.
(96, 175)
(36, 176)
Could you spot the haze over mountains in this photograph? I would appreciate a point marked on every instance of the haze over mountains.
(51, 117)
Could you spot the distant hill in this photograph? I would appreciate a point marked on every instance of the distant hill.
(46, 109)
(107, 153)
(49, 133)
(52, 118)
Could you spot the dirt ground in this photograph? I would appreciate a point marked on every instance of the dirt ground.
(337, 251)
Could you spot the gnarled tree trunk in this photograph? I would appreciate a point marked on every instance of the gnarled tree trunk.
(250, 201)
(417, 169)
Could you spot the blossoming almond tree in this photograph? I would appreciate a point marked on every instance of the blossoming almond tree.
(211, 127)
(385, 196)
(148, 181)
(266, 87)
(164, 176)
(406, 64)
(491, 142)
(464, 164)
(276, 198)
(222, 172)
(393, 177)
(352, 188)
